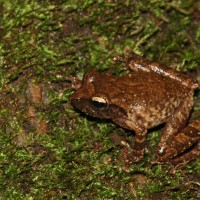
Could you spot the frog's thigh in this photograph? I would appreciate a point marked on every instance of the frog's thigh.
(175, 123)
(182, 141)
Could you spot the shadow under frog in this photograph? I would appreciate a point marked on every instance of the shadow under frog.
(150, 95)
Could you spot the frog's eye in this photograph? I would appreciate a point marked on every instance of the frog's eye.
(99, 103)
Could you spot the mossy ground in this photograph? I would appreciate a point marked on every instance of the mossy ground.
(48, 150)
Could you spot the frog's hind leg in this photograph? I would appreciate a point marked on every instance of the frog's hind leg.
(187, 140)
(187, 156)
(173, 125)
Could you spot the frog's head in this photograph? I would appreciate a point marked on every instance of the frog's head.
(94, 97)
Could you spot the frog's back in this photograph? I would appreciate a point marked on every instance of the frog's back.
(158, 97)
(146, 98)
(143, 88)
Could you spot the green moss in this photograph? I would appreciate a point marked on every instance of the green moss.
(48, 41)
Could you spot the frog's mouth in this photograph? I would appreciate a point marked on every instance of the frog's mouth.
(86, 106)
(125, 123)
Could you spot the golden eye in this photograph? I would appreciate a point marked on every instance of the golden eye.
(99, 102)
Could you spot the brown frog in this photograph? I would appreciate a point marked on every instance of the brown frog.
(151, 95)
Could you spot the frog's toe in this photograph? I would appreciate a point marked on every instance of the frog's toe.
(154, 161)
(132, 156)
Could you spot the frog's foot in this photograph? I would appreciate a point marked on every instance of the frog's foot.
(187, 156)
(134, 156)
(128, 153)
(75, 82)
(120, 141)
(119, 59)
(129, 61)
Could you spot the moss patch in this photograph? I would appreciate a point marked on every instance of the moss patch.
(47, 149)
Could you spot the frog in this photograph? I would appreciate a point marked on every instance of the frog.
(149, 95)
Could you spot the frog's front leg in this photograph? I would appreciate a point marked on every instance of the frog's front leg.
(137, 152)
